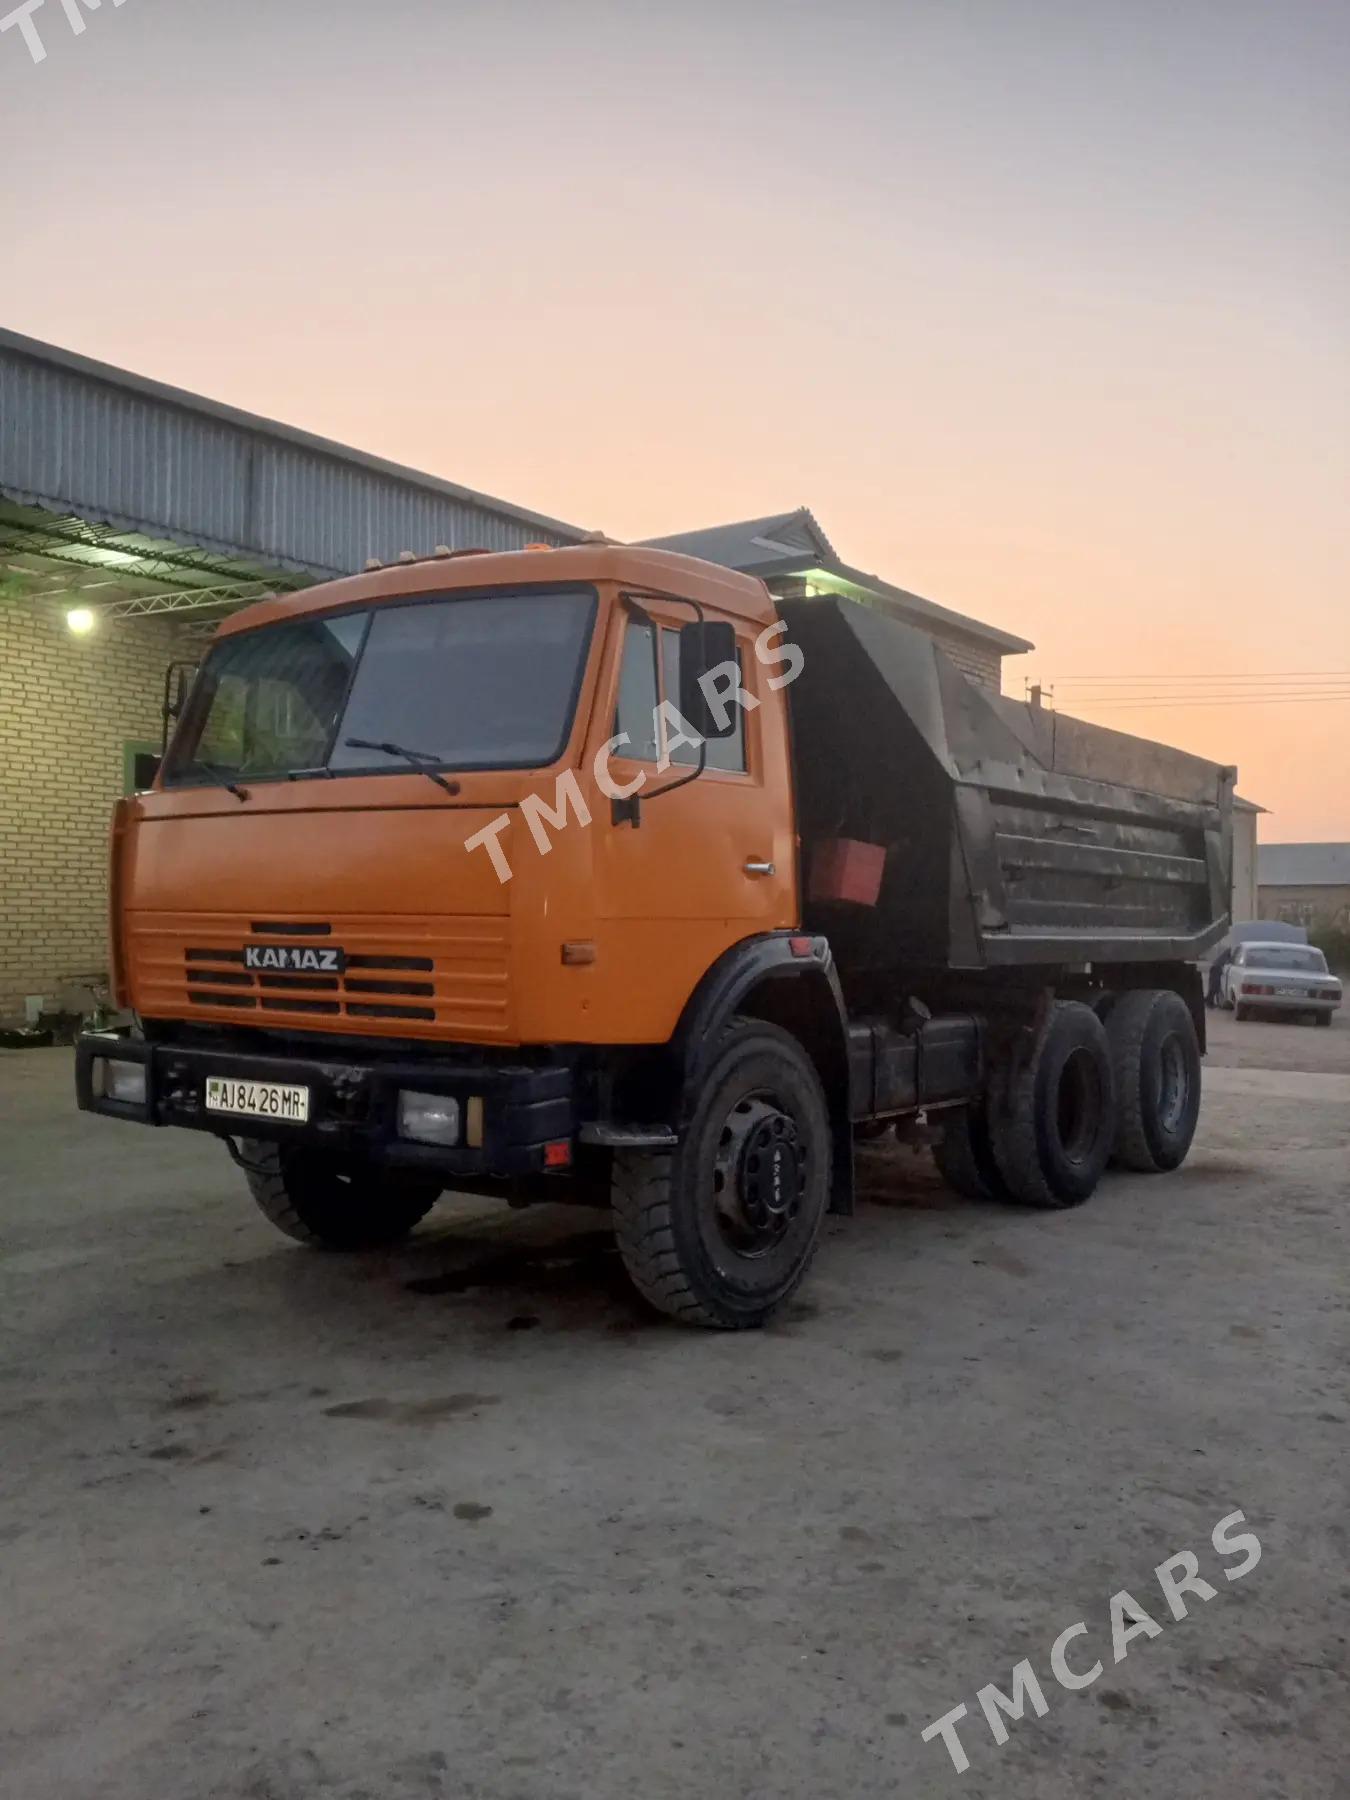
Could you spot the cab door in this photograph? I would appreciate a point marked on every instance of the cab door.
(711, 859)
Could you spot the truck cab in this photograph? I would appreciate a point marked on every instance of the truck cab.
(455, 782)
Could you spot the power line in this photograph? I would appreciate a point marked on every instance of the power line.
(1180, 696)
(1266, 675)
(1172, 700)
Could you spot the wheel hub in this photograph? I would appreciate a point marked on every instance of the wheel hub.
(759, 1175)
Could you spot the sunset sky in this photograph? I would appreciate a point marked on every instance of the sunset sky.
(1042, 306)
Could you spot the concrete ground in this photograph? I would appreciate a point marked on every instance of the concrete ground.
(462, 1520)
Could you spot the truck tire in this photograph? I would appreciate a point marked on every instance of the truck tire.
(1155, 1062)
(1053, 1116)
(719, 1231)
(319, 1201)
(965, 1155)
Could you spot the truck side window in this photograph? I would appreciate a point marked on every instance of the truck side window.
(723, 753)
(638, 696)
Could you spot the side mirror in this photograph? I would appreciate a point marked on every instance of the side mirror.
(707, 645)
(178, 679)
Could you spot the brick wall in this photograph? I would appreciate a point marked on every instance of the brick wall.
(979, 661)
(1310, 906)
(68, 706)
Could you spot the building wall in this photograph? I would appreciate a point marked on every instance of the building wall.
(1323, 905)
(1245, 901)
(68, 707)
(979, 661)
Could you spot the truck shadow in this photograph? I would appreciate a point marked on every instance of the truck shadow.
(508, 1272)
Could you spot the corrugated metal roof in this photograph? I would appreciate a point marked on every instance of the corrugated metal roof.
(794, 544)
(838, 577)
(1303, 865)
(80, 437)
(751, 541)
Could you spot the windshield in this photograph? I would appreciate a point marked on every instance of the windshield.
(484, 682)
(1281, 956)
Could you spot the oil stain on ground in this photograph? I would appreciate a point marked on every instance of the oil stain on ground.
(577, 1261)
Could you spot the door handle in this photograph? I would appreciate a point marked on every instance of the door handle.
(752, 867)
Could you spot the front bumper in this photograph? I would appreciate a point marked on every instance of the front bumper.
(526, 1108)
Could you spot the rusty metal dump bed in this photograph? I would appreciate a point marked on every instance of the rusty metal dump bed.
(1013, 835)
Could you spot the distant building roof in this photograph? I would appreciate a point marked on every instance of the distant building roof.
(1303, 865)
(752, 541)
(793, 543)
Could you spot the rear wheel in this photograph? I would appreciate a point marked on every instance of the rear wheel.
(1240, 1012)
(965, 1155)
(332, 1204)
(1155, 1063)
(720, 1231)
(1053, 1116)
(1322, 1018)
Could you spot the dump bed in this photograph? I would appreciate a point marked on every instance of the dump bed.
(1011, 834)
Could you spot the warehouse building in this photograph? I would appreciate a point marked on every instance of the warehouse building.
(1306, 884)
(133, 516)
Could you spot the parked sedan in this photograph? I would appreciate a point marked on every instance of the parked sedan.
(1283, 978)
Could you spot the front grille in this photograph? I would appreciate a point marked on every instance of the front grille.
(427, 976)
(302, 992)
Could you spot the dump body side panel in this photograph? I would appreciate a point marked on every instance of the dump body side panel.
(1011, 835)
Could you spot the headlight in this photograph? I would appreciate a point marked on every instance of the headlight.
(123, 1081)
(428, 1118)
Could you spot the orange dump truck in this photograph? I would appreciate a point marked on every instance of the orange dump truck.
(598, 875)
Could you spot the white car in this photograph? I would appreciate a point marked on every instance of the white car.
(1283, 978)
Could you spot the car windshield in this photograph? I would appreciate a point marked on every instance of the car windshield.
(482, 682)
(1286, 956)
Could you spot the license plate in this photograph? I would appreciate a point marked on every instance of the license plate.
(1289, 990)
(258, 1099)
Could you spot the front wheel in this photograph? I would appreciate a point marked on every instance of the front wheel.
(720, 1231)
(329, 1203)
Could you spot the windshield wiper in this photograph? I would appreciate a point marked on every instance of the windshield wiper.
(417, 758)
(222, 778)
